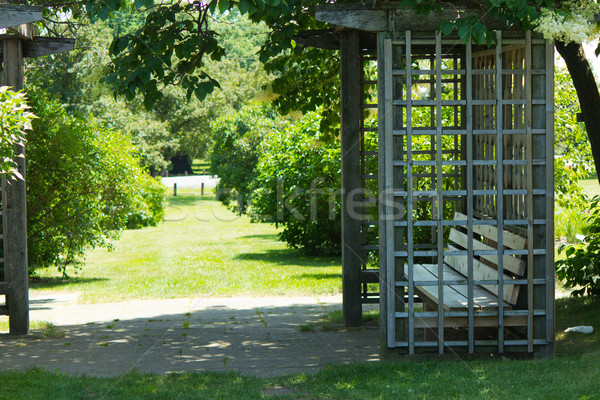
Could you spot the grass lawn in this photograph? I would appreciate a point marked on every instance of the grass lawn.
(198, 166)
(573, 374)
(202, 249)
(591, 186)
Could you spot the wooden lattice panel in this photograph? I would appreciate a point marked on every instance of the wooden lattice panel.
(463, 134)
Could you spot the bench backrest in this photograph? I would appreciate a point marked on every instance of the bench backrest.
(487, 267)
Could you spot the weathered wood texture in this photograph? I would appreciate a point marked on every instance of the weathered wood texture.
(466, 128)
(44, 46)
(367, 18)
(14, 209)
(350, 151)
(15, 14)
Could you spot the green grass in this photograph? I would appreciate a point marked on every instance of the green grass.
(573, 374)
(591, 186)
(202, 249)
(39, 329)
(201, 165)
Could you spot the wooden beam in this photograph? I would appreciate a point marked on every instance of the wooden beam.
(15, 14)
(44, 46)
(15, 209)
(364, 17)
(322, 39)
(354, 16)
(350, 147)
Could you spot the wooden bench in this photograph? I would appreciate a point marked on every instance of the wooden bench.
(485, 267)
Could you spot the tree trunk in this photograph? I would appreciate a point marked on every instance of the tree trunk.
(587, 92)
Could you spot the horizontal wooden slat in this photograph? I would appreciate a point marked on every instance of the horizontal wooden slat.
(369, 275)
(4, 288)
(462, 322)
(455, 296)
(491, 232)
(510, 263)
(482, 272)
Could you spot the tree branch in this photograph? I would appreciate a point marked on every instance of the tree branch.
(587, 92)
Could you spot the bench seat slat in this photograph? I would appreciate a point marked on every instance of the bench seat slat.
(455, 296)
(482, 272)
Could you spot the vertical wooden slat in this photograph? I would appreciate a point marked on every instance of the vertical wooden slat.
(387, 150)
(550, 312)
(409, 200)
(499, 186)
(350, 149)
(14, 207)
(440, 189)
(530, 216)
(469, 166)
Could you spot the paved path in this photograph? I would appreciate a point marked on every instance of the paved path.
(255, 336)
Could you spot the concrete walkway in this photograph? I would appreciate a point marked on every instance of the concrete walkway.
(255, 336)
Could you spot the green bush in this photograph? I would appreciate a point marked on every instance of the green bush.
(297, 185)
(84, 185)
(581, 266)
(236, 150)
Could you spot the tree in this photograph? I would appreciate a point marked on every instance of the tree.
(85, 185)
(236, 150)
(176, 128)
(176, 40)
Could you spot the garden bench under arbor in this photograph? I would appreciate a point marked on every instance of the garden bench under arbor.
(463, 222)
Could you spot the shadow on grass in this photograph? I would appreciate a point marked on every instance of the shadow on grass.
(52, 282)
(318, 276)
(266, 236)
(289, 257)
(188, 199)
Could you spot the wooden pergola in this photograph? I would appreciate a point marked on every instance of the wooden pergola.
(464, 228)
(20, 42)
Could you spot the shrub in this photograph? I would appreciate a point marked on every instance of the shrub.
(581, 265)
(236, 150)
(296, 185)
(85, 185)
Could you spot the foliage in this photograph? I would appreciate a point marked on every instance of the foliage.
(574, 159)
(84, 186)
(295, 176)
(571, 22)
(236, 150)
(174, 126)
(581, 266)
(15, 120)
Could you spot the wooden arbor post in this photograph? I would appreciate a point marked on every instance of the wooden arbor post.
(14, 47)
(351, 176)
(14, 209)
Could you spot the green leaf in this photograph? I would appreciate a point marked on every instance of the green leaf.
(446, 27)
(464, 33)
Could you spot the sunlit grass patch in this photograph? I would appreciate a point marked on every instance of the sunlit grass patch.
(202, 249)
